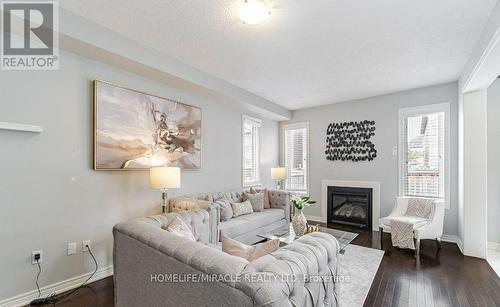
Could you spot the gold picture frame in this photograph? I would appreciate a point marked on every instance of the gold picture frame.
(165, 131)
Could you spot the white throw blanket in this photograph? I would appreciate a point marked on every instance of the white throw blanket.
(402, 230)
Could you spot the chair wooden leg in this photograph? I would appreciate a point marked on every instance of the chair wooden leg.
(381, 230)
(417, 247)
(438, 242)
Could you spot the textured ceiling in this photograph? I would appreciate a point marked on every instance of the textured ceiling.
(307, 53)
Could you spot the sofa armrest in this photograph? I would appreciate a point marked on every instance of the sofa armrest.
(433, 229)
(281, 199)
(145, 255)
(210, 207)
(301, 274)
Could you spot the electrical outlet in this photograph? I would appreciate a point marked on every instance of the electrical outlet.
(71, 248)
(35, 255)
(85, 244)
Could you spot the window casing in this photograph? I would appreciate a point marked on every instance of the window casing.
(296, 156)
(424, 157)
(251, 128)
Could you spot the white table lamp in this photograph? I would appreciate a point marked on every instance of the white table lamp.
(163, 178)
(279, 174)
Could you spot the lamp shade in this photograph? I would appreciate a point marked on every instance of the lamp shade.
(278, 173)
(164, 177)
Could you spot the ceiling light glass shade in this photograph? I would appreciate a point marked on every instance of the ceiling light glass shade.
(253, 12)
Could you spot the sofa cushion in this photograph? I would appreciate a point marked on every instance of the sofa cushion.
(416, 221)
(253, 190)
(245, 223)
(257, 201)
(242, 208)
(226, 211)
(180, 228)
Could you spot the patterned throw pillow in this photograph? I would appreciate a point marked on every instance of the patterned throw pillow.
(420, 207)
(226, 211)
(242, 208)
(257, 201)
(180, 228)
(267, 204)
(249, 252)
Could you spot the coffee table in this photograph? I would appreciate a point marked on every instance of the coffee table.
(286, 235)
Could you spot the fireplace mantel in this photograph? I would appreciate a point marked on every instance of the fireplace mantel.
(374, 185)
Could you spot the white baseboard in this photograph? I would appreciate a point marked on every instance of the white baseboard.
(59, 287)
(494, 245)
(454, 239)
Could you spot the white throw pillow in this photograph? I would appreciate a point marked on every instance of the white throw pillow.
(180, 228)
(242, 208)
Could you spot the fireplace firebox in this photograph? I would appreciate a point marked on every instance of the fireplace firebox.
(350, 206)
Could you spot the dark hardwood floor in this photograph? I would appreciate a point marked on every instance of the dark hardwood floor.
(442, 277)
(438, 278)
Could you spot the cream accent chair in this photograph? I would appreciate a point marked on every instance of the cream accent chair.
(431, 228)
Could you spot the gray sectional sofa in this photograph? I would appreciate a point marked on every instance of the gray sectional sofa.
(153, 267)
(242, 228)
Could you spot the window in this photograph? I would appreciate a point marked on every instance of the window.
(424, 152)
(296, 156)
(251, 151)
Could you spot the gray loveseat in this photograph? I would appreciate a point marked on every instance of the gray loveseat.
(243, 228)
(153, 267)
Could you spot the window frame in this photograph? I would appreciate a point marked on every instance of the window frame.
(297, 125)
(244, 119)
(404, 113)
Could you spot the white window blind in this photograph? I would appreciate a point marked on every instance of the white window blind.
(296, 157)
(424, 155)
(251, 151)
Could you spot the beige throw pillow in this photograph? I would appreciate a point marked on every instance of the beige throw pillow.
(180, 228)
(242, 208)
(257, 201)
(249, 252)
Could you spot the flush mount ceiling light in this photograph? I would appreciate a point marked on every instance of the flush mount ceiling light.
(253, 12)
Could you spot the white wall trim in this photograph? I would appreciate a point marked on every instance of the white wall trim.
(302, 124)
(468, 83)
(475, 235)
(374, 185)
(404, 113)
(58, 287)
(20, 127)
(454, 239)
(494, 245)
(257, 122)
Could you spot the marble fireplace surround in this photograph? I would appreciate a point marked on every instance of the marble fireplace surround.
(374, 185)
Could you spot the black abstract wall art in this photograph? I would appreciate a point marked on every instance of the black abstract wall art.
(350, 141)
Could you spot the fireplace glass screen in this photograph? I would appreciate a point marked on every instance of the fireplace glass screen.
(351, 206)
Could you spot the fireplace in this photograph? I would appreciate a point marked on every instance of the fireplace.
(350, 206)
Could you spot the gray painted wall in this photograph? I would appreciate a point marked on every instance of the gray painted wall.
(49, 195)
(384, 111)
(494, 162)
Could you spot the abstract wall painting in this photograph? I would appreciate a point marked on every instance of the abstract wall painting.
(350, 141)
(135, 130)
